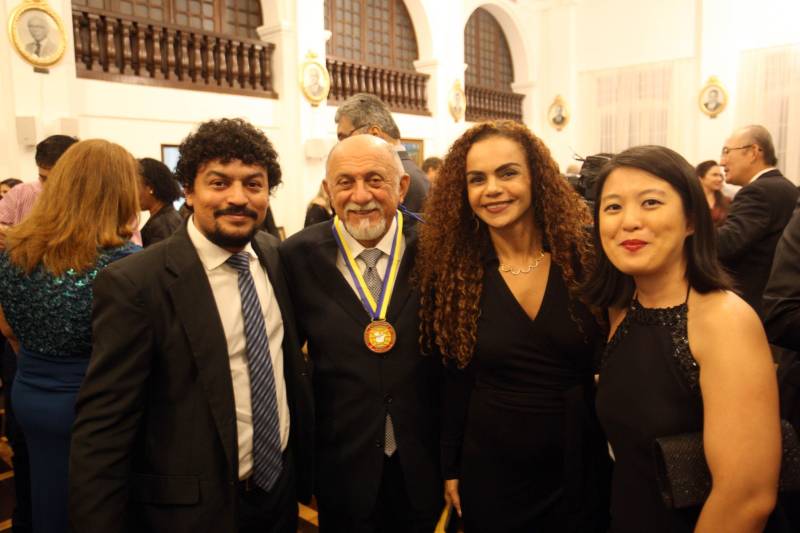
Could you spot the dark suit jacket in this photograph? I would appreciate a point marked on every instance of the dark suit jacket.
(782, 294)
(354, 388)
(161, 225)
(747, 239)
(418, 186)
(154, 445)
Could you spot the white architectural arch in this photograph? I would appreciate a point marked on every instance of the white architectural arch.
(422, 28)
(276, 14)
(520, 48)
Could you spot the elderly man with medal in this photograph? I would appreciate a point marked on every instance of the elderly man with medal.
(376, 394)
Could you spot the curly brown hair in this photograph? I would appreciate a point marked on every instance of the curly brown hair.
(453, 242)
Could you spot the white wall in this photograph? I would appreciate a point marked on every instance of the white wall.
(552, 42)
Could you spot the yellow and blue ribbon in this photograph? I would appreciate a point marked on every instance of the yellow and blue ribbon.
(376, 309)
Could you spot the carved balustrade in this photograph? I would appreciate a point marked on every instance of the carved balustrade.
(491, 104)
(110, 46)
(404, 91)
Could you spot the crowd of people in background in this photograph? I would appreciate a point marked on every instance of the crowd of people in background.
(483, 334)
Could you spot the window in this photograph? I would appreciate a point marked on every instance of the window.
(236, 17)
(769, 94)
(486, 53)
(372, 32)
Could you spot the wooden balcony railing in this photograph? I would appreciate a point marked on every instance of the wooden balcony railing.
(491, 104)
(114, 47)
(403, 91)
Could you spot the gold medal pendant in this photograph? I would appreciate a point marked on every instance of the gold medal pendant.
(379, 336)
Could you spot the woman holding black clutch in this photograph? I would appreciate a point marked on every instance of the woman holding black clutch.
(685, 354)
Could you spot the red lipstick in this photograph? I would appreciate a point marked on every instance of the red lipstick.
(633, 245)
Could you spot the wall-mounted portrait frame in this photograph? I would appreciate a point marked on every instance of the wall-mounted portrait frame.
(457, 102)
(37, 33)
(315, 81)
(415, 149)
(558, 113)
(713, 98)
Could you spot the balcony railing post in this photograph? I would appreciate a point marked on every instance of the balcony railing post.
(253, 66)
(362, 79)
(204, 53)
(192, 53)
(177, 52)
(265, 69)
(133, 38)
(84, 26)
(119, 46)
(241, 66)
(229, 74)
(102, 43)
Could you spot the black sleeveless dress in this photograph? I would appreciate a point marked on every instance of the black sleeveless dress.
(519, 428)
(648, 388)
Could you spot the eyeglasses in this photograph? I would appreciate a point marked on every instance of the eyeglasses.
(354, 131)
(726, 150)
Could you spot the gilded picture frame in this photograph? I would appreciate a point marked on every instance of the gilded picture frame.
(37, 33)
(713, 98)
(415, 149)
(315, 81)
(558, 114)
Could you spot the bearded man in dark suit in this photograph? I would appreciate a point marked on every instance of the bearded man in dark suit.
(376, 394)
(759, 211)
(196, 412)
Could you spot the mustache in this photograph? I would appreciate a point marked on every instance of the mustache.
(372, 204)
(236, 211)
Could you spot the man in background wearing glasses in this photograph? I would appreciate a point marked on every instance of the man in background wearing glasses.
(759, 212)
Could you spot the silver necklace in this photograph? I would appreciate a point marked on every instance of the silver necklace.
(527, 270)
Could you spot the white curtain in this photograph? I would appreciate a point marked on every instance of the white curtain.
(642, 104)
(769, 94)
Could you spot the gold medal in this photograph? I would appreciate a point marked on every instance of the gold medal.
(379, 336)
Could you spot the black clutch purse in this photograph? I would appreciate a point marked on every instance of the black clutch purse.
(682, 471)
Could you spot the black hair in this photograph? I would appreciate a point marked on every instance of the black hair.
(49, 150)
(11, 182)
(159, 177)
(607, 286)
(226, 139)
(703, 168)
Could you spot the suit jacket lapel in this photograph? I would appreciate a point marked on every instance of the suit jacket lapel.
(197, 311)
(323, 263)
(402, 289)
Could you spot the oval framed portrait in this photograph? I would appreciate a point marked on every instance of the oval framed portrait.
(457, 101)
(315, 82)
(37, 33)
(713, 98)
(558, 114)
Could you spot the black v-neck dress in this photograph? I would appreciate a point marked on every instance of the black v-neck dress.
(519, 429)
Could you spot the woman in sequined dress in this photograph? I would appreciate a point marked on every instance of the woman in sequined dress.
(79, 224)
(685, 354)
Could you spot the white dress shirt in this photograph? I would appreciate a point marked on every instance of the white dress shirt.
(224, 281)
(384, 245)
(754, 178)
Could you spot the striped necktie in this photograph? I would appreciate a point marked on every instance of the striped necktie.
(370, 256)
(267, 455)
